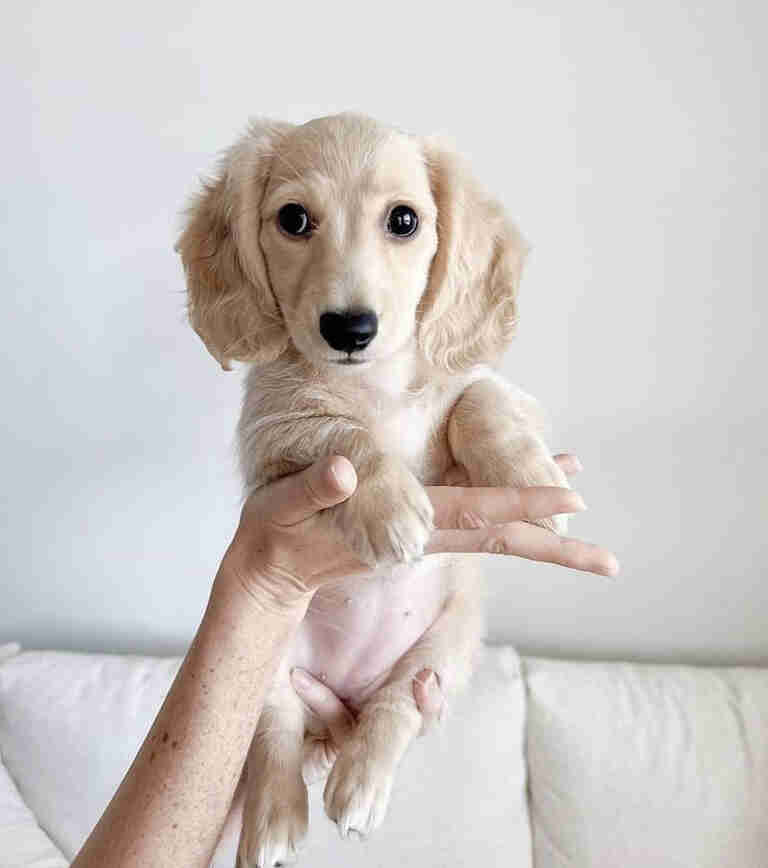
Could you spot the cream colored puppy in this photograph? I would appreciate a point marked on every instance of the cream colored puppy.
(370, 284)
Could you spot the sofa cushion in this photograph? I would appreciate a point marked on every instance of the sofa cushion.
(24, 844)
(70, 725)
(642, 765)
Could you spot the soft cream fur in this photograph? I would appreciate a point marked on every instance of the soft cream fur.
(424, 403)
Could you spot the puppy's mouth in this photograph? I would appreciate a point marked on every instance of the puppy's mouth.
(350, 360)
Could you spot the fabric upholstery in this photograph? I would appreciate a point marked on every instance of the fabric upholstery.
(632, 766)
(70, 725)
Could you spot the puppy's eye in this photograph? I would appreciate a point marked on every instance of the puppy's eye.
(402, 221)
(294, 220)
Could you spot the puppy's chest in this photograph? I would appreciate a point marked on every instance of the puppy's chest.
(356, 630)
(414, 429)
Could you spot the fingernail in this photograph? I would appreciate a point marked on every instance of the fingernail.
(572, 503)
(344, 475)
(301, 678)
(427, 679)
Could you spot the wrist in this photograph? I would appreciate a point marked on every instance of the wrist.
(260, 593)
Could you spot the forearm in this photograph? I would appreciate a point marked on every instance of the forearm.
(172, 804)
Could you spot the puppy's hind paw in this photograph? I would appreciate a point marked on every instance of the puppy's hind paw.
(279, 849)
(357, 796)
(273, 835)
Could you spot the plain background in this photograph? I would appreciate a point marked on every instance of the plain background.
(628, 140)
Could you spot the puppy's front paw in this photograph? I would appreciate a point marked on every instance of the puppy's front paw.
(274, 825)
(389, 518)
(357, 792)
(557, 523)
(522, 464)
(546, 471)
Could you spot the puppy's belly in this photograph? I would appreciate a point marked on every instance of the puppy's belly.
(355, 631)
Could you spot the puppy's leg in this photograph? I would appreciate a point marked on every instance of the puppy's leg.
(276, 812)
(495, 434)
(358, 789)
(389, 517)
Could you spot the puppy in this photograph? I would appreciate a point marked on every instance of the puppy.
(370, 284)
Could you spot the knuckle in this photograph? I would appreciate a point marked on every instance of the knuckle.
(313, 498)
(467, 519)
(497, 544)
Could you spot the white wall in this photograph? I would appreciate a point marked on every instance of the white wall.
(628, 138)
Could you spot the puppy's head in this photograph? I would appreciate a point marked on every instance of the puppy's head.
(348, 239)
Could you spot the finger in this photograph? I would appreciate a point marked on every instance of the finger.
(428, 694)
(528, 541)
(568, 463)
(470, 508)
(325, 483)
(325, 704)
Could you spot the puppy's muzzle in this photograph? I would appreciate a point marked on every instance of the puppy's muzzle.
(349, 330)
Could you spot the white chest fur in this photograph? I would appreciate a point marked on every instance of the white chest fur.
(403, 428)
(404, 421)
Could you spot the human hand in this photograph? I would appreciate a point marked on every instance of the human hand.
(497, 521)
(320, 753)
(282, 553)
(427, 692)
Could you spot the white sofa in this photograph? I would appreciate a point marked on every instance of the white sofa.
(543, 763)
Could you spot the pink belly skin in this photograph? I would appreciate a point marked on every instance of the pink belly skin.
(355, 631)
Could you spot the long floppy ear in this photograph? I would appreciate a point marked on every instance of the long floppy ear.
(230, 302)
(468, 313)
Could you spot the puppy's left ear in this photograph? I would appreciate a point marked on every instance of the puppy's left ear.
(230, 301)
(468, 313)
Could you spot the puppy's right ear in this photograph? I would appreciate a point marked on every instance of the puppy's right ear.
(231, 304)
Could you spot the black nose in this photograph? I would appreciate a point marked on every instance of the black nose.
(350, 330)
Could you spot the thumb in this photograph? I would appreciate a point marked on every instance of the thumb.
(325, 483)
(325, 704)
(429, 697)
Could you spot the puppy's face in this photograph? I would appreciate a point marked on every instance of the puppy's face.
(346, 240)
(348, 233)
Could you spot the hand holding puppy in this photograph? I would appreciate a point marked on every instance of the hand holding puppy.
(466, 515)
(282, 553)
